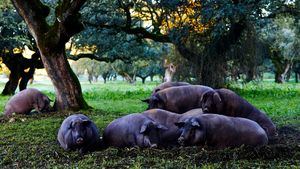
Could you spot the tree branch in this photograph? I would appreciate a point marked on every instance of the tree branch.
(139, 32)
(34, 13)
(67, 23)
(94, 56)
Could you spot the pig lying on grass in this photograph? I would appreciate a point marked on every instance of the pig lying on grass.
(78, 132)
(133, 130)
(220, 131)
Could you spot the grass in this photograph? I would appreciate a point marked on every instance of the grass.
(30, 141)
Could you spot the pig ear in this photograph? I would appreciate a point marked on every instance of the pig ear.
(144, 128)
(179, 124)
(146, 100)
(217, 98)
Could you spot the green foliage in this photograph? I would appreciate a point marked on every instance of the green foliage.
(283, 35)
(30, 141)
(13, 30)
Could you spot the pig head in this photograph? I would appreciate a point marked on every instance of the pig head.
(42, 103)
(192, 132)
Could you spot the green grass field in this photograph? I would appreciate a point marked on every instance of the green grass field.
(30, 141)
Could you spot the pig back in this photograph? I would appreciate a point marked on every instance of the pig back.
(184, 98)
(167, 85)
(123, 132)
(22, 102)
(236, 106)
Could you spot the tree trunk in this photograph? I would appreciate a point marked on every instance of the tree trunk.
(212, 74)
(105, 76)
(281, 72)
(96, 78)
(170, 70)
(67, 87)
(90, 78)
(281, 67)
(12, 84)
(151, 78)
(26, 76)
(14, 63)
(143, 80)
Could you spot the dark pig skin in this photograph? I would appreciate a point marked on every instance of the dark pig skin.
(133, 130)
(178, 99)
(220, 131)
(168, 138)
(226, 102)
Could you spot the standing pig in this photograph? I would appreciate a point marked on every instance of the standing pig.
(26, 100)
(133, 130)
(178, 99)
(168, 119)
(167, 85)
(220, 131)
(78, 132)
(226, 102)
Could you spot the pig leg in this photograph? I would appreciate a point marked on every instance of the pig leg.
(8, 112)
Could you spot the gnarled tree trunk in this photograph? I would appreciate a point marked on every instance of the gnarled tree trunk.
(66, 84)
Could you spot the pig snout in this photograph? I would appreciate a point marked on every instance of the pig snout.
(181, 140)
(79, 140)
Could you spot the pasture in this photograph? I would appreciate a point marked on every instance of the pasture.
(30, 141)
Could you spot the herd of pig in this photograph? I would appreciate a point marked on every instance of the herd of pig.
(178, 114)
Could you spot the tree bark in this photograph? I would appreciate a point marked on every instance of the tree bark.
(12, 84)
(143, 80)
(26, 76)
(17, 64)
(281, 67)
(67, 87)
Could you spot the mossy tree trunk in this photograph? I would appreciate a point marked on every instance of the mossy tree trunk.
(51, 40)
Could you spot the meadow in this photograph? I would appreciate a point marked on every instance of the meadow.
(30, 141)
